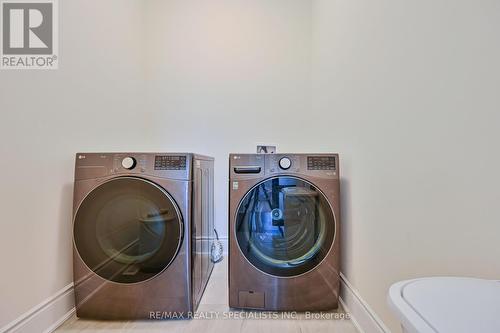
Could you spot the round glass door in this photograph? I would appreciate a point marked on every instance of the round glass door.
(127, 230)
(285, 226)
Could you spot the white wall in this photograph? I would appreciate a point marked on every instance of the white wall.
(224, 75)
(179, 75)
(408, 92)
(93, 102)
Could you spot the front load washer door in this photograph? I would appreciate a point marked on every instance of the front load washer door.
(285, 226)
(127, 230)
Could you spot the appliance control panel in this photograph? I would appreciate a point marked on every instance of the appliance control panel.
(256, 166)
(170, 162)
(321, 163)
(163, 165)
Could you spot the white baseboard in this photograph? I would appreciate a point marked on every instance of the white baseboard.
(46, 316)
(362, 316)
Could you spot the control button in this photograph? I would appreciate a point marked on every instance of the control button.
(285, 163)
(128, 163)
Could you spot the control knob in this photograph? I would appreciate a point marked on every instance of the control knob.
(285, 163)
(128, 163)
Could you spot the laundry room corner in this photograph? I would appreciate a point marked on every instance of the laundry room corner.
(47, 116)
(132, 135)
(406, 92)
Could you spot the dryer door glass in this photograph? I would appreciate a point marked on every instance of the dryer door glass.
(127, 230)
(285, 226)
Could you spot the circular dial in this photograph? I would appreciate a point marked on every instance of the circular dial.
(285, 163)
(128, 163)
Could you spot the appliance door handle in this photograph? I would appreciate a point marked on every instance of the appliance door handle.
(247, 169)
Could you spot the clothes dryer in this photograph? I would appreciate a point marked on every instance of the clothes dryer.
(142, 227)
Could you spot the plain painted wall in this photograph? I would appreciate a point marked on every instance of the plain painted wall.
(224, 75)
(93, 102)
(409, 94)
(406, 92)
(135, 75)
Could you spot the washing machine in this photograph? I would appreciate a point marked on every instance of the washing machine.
(284, 227)
(142, 228)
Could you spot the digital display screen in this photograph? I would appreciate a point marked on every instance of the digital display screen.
(321, 163)
(170, 162)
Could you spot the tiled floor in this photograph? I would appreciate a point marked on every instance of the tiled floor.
(215, 300)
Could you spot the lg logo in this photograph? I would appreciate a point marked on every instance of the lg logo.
(29, 28)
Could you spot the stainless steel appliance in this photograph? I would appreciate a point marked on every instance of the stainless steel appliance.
(284, 227)
(142, 227)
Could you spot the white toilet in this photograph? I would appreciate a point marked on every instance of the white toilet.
(447, 305)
